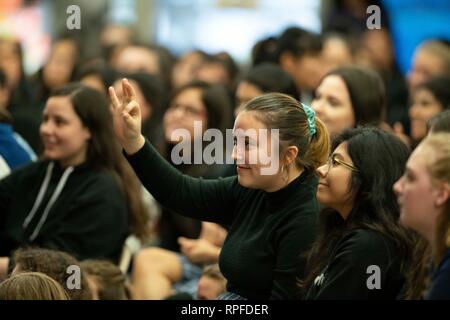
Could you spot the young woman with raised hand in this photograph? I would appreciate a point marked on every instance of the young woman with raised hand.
(271, 218)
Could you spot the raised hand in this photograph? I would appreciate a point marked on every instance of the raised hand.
(127, 118)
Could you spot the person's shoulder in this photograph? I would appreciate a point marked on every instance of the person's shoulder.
(365, 242)
(439, 289)
(99, 182)
(364, 237)
(30, 169)
(445, 262)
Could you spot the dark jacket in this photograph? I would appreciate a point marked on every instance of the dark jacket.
(79, 210)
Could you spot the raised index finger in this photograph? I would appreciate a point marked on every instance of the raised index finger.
(128, 90)
(114, 100)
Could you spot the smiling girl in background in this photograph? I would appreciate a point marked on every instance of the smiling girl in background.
(350, 96)
(75, 196)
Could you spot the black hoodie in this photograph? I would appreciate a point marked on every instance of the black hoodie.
(78, 209)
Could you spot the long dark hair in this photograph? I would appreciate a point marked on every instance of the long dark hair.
(380, 159)
(103, 152)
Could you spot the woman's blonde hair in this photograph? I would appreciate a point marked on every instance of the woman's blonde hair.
(32, 286)
(438, 166)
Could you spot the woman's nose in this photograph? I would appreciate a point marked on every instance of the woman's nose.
(317, 106)
(46, 127)
(398, 186)
(236, 155)
(323, 170)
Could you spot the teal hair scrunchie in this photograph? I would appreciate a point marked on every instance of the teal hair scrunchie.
(311, 117)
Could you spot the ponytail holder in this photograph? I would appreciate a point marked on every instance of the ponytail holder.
(311, 117)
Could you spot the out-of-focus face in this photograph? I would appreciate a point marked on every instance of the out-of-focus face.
(376, 50)
(424, 107)
(333, 105)
(10, 63)
(186, 108)
(64, 136)
(307, 71)
(115, 35)
(146, 108)
(58, 70)
(135, 59)
(186, 69)
(95, 82)
(335, 182)
(425, 65)
(214, 73)
(335, 53)
(245, 92)
(417, 194)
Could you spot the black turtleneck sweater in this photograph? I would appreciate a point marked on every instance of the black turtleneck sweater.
(267, 231)
(89, 218)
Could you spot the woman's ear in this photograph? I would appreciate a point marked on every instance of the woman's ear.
(443, 194)
(290, 155)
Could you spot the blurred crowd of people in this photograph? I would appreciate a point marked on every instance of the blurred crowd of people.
(379, 151)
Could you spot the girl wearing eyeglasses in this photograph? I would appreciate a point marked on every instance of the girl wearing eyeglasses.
(361, 252)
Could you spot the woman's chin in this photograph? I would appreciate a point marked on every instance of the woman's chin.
(50, 155)
(244, 181)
